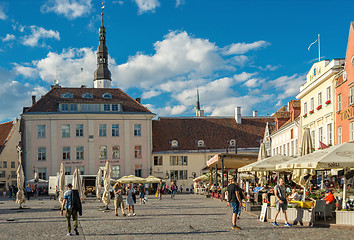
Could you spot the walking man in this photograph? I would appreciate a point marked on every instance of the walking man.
(280, 202)
(160, 189)
(118, 198)
(234, 201)
(142, 193)
(72, 202)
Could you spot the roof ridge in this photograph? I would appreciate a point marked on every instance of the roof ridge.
(134, 100)
(40, 99)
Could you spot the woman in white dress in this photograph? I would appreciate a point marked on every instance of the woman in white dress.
(130, 200)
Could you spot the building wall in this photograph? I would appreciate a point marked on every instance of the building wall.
(286, 140)
(91, 141)
(10, 156)
(320, 118)
(345, 114)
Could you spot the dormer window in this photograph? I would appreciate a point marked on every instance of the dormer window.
(67, 95)
(232, 143)
(200, 143)
(107, 96)
(174, 143)
(87, 95)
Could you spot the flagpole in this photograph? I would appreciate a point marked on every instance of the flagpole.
(319, 48)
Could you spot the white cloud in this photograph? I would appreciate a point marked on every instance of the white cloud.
(242, 77)
(180, 2)
(38, 33)
(2, 13)
(240, 60)
(251, 83)
(147, 5)
(288, 86)
(118, 2)
(168, 110)
(25, 71)
(242, 48)
(71, 9)
(150, 94)
(269, 68)
(8, 37)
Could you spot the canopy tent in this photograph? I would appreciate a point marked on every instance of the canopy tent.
(246, 176)
(132, 179)
(268, 164)
(152, 179)
(204, 177)
(231, 161)
(32, 181)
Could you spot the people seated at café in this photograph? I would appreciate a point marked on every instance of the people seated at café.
(329, 197)
(294, 195)
(257, 188)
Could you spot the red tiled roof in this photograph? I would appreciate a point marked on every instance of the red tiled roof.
(282, 114)
(49, 102)
(295, 103)
(214, 131)
(5, 129)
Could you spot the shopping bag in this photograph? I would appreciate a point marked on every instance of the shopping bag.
(157, 194)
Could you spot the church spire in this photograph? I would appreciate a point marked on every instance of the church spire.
(198, 111)
(102, 76)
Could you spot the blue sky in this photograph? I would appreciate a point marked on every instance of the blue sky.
(251, 54)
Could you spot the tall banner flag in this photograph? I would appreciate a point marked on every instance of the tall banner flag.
(319, 52)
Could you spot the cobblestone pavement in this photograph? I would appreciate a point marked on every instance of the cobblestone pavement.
(186, 217)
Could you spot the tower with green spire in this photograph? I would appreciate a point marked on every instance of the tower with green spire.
(198, 112)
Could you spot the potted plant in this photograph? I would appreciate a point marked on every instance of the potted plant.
(312, 111)
(319, 107)
(328, 102)
(305, 115)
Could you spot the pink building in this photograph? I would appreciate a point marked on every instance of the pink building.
(85, 127)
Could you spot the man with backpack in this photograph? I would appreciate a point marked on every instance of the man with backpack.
(72, 202)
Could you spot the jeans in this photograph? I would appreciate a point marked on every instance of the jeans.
(173, 192)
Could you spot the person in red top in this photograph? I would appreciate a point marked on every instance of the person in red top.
(329, 197)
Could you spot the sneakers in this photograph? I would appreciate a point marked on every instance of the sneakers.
(117, 214)
(69, 234)
(124, 214)
(236, 227)
(275, 224)
(287, 225)
(129, 215)
(76, 231)
(134, 214)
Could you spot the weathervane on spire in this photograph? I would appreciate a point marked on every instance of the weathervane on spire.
(102, 12)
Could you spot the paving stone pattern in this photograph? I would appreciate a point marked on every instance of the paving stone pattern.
(186, 217)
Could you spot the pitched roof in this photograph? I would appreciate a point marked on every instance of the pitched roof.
(49, 102)
(271, 128)
(295, 103)
(214, 131)
(5, 129)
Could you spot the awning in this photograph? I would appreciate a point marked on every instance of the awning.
(267, 164)
(232, 161)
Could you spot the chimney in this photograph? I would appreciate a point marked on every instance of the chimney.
(255, 113)
(33, 99)
(138, 99)
(238, 115)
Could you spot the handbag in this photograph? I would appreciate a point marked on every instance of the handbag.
(134, 197)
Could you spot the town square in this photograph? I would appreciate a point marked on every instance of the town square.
(176, 119)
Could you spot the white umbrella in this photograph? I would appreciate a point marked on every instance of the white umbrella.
(39, 181)
(107, 184)
(61, 183)
(98, 183)
(262, 154)
(20, 197)
(77, 183)
(152, 179)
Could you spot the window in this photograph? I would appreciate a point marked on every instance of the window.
(80, 153)
(107, 96)
(292, 148)
(179, 160)
(102, 130)
(158, 160)
(137, 151)
(102, 152)
(280, 150)
(65, 130)
(320, 134)
(339, 102)
(137, 130)
(291, 133)
(329, 133)
(79, 130)
(115, 107)
(0, 164)
(351, 95)
(41, 154)
(339, 132)
(107, 107)
(115, 171)
(174, 175)
(313, 138)
(41, 131)
(288, 149)
(305, 107)
(67, 95)
(90, 107)
(64, 107)
(81, 170)
(319, 99)
(273, 151)
(183, 174)
(13, 174)
(2, 174)
(42, 173)
(200, 143)
(138, 172)
(13, 165)
(174, 143)
(284, 150)
(4, 164)
(351, 131)
(312, 103)
(115, 152)
(87, 95)
(67, 170)
(73, 107)
(115, 130)
(66, 153)
(296, 147)
(328, 93)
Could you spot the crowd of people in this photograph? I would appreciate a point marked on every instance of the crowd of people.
(29, 191)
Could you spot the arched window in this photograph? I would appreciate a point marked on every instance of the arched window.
(87, 95)
(232, 143)
(106, 96)
(67, 95)
(200, 143)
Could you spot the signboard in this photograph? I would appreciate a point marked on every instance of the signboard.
(263, 218)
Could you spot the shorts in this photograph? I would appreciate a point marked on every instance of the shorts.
(118, 203)
(281, 206)
(235, 207)
(141, 195)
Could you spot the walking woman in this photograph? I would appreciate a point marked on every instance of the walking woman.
(118, 198)
(130, 200)
(173, 190)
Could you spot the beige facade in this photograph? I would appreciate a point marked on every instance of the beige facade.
(317, 101)
(9, 157)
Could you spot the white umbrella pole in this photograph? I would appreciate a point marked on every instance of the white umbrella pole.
(321, 180)
(344, 203)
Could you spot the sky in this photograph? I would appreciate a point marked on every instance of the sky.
(252, 54)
